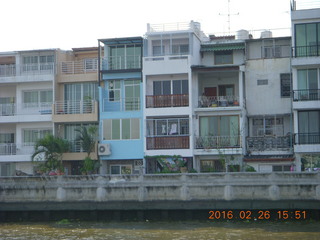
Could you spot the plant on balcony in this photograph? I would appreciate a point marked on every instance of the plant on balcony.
(87, 138)
(49, 151)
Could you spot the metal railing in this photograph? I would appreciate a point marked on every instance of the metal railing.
(306, 51)
(217, 142)
(75, 146)
(269, 143)
(122, 104)
(307, 138)
(218, 101)
(12, 70)
(16, 149)
(121, 62)
(306, 95)
(174, 100)
(74, 107)
(8, 109)
(79, 67)
(168, 142)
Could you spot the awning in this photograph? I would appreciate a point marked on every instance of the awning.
(221, 47)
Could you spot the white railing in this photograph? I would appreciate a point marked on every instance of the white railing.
(7, 70)
(8, 109)
(36, 108)
(123, 104)
(79, 67)
(178, 26)
(75, 146)
(43, 68)
(218, 101)
(16, 149)
(218, 142)
(121, 62)
(166, 58)
(74, 107)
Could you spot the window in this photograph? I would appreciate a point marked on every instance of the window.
(114, 90)
(281, 168)
(223, 57)
(124, 56)
(163, 127)
(30, 136)
(268, 126)
(6, 137)
(309, 127)
(121, 129)
(180, 49)
(285, 79)
(219, 126)
(180, 87)
(307, 39)
(31, 63)
(307, 84)
(132, 95)
(90, 64)
(262, 82)
(165, 87)
(37, 98)
(121, 169)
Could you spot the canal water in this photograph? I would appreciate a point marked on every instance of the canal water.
(197, 230)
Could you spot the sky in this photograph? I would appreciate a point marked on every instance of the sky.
(67, 24)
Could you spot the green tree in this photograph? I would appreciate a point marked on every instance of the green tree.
(87, 137)
(49, 151)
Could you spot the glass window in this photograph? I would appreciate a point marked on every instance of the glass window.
(162, 88)
(30, 136)
(307, 39)
(114, 91)
(285, 84)
(116, 129)
(180, 87)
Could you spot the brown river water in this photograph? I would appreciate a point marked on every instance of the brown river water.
(197, 230)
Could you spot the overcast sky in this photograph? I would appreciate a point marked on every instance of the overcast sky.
(65, 24)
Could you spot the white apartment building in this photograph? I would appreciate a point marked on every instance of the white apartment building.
(306, 82)
(26, 96)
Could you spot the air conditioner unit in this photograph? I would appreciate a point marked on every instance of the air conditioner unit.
(104, 149)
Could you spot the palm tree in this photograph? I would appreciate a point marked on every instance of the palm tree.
(50, 149)
(87, 137)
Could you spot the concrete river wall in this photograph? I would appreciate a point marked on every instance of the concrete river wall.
(167, 191)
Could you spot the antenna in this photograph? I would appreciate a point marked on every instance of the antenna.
(229, 15)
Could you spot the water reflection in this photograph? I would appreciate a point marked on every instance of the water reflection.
(305, 230)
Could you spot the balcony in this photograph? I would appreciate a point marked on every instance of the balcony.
(123, 104)
(306, 95)
(7, 70)
(218, 142)
(306, 51)
(75, 111)
(168, 142)
(15, 149)
(162, 101)
(281, 143)
(13, 109)
(79, 67)
(218, 101)
(8, 109)
(121, 63)
(307, 138)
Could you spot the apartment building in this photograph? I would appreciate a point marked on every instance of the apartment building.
(121, 105)
(75, 102)
(169, 52)
(269, 139)
(26, 97)
(306, 82)
(219, 107)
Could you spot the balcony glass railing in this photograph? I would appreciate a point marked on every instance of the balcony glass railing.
(121, 62)
(218, 142)
(218, 101)
(122, 104)
(307, 51)
(161, 101)
(306, 95)
(168, 142)
(8, 109)
(16, 149)
(269, 143)
(307, 138)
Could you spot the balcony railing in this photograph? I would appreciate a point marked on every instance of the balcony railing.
(307, 138)
(8, 109)
(306, 51)
(79, 67)
(121, 62)
(218, 142)
(15, 149)
(123, 104)
(161, 101)
(74, 107)
(36, 108)
(12, 70)
(75, 146)
(168, 142)
(306, 95)
(269, 143)
(218, 101)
